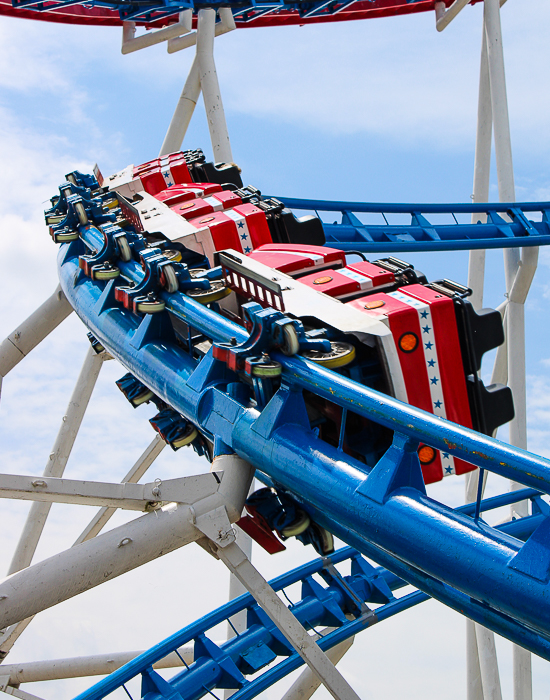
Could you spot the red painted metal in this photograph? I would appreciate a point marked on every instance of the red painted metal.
(78, 14)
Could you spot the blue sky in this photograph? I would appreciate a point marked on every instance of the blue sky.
(380, 110)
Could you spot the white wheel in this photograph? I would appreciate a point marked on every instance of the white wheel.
(291, 344)
(124, 250)
(81, 213)
(171, 282)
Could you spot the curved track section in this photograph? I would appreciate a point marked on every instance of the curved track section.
(340, 605)
(264, 14)
(384, 512)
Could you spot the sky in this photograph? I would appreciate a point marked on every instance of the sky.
(378, 110)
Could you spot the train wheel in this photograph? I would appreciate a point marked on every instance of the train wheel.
(124, 249)
(296, 528)
(291, 344)
(217, 291)
(340, 355)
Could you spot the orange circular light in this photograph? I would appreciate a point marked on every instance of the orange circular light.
(322, 280)
(205, 221)
(426, 454)
(376, 304)
(187, 205)
(408, 342)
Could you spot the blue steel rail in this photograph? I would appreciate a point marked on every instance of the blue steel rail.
(422, 235)
(384, 512)
(489, 574)
(257, 647)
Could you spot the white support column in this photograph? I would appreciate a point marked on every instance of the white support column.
(211, 88)
(143, 463)
(124, 548)
(84, 666)
(9, 636)
(239, 564)
(488, 664)
(482, 171)
(58, 459)
(474, 687)
(183, 112)
(131, 43)
(33, 331)
(307, 682)
(515, 275)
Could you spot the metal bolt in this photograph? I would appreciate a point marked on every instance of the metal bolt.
(123, 542)
(39, 482)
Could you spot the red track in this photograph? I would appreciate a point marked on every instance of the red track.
(78, 14)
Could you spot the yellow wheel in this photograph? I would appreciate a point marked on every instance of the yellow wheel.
(173, 256)
(269, 368)
(300, 525)
(81, 213)
(189, 435)
(105, 273)
(55, 218)
(150, 306)
(66, 237)
(217, 291)
(146, 395)
(340, 355)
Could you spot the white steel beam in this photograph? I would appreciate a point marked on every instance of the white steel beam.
(183, 112)
(102, 517)
(307, 682)
(444, 17)
(141, 497)
(33, 330)
(211, 88)
(123, 549)
(519, 273)
(10, 635)
(239, 565)
(482, 171)
(131, 42)
(226, 24)
(58, 458)
(15, 692)
(84, 666)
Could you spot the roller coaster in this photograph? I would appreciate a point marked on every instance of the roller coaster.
(276, 350)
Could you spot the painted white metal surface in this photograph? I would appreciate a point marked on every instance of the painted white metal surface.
(307, 682)
(83, 666)
(58, 458)
(239, 565)
(226, 24)
(131, 43)
(208, 76)
(102, 517)
(33, 330)
(124, 548)
(184, 111)
(10, 635)
(141, 497)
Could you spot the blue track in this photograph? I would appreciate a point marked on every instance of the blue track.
(498, 577)
(421, 234)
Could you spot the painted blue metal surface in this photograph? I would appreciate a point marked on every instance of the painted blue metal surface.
(383, 512)
(419, 234)
(498, 577)
(319, 605)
